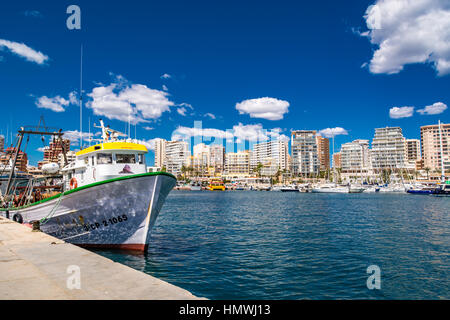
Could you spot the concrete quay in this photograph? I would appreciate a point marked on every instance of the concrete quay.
(36, 266)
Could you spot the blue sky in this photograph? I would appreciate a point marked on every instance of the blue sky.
(220, 59)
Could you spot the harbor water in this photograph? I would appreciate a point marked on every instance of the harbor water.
(274, 245)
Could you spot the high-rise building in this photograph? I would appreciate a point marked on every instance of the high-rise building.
(431, 146)
(412, 152)
(237, 164)
(160, 152)
(176, 156)
(200, 160)
(323, 152)
(273, 155)
(70, 156)
(8, 157)
(305, 158)
(337, 160)
(388, 149)
(53, 150)
(355, 157)
(2, 143)
(217, 157)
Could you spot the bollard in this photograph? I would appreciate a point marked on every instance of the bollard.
(36, 226)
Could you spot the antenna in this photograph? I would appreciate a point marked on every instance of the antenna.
(81, 97)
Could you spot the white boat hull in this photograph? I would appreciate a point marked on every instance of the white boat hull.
(330, 190)
(110, 214)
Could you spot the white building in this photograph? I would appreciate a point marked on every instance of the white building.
(70, 156)
(273, 155)
(305, 157)
(176, 156)
(388, 149)
(160, 152)
(237, 164)
(355, 159)
(217, 157)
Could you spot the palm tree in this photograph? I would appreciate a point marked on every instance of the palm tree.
(427, 170)
(258, 169)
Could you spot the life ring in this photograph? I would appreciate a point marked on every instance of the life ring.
(18, 218)
(73, 183)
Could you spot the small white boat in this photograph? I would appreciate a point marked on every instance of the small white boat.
(356, 189)
(372, 189)
(290, 189)
(196, 186)
(330, 188)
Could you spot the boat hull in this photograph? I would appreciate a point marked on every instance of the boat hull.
(330, 190)
(115, 214)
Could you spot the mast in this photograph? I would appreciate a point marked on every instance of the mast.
(19, 144)
(442, 153)
(81, 97)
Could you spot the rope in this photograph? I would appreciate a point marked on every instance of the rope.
(52, 212)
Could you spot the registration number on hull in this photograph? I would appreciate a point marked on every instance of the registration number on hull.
(105, 223)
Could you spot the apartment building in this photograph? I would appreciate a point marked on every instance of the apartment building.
(273, 155)
(304, 150)
(323, 152)
(237, 164)
(431, 146)
(388, 149)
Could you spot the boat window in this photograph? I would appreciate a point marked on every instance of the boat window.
(125, 158)
(104, 158)
(141, 158)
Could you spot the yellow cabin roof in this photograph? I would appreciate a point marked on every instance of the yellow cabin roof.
(110, 146)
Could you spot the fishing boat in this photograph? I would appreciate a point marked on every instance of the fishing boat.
(106, 199)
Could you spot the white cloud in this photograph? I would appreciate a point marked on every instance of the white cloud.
(250, 132)
(122, 101)
(182, 111)
(166, 76)
(265, 108)
(74, 136)
(24, 51)
(408, 32)
(56, 104)
(164, 87)
(185, 132)
(149, 144)
(41, 149)
(212, 116)
(332, 132)
(401, 112)
(435, 108)
(148, 128)
(73, 98)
